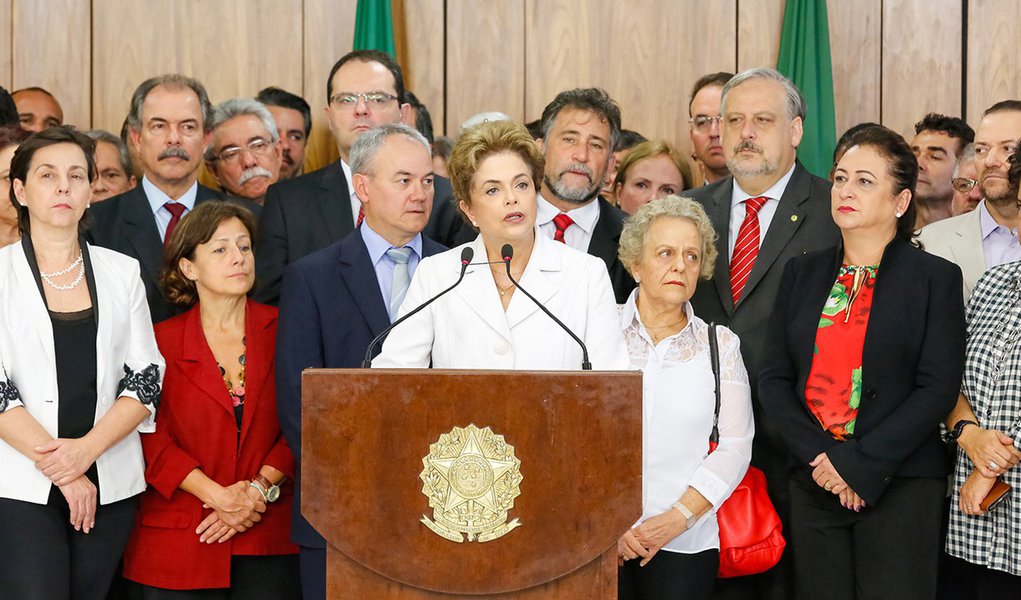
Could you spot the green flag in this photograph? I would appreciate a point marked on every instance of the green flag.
(805, 58)
(374, 28)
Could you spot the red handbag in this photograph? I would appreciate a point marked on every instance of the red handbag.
(751, 535)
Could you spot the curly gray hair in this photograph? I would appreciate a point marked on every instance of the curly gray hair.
(632, 238)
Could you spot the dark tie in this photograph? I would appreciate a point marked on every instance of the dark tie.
(746, 248)
(176, 210)
(562, 221)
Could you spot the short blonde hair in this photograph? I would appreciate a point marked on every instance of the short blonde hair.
(484, 140)
(650, 149)
(632, 238)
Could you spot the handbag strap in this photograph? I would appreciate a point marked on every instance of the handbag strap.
(714, 360)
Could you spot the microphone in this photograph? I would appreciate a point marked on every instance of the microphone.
(466, 258)
(508, 253)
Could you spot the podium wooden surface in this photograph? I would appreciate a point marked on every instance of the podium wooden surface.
(577, 434)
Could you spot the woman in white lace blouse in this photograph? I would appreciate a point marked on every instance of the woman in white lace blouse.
(674, 548)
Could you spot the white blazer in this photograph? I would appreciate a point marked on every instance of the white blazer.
(959, 240)
(126, 354)
(469, 329)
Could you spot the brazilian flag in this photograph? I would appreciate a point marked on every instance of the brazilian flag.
(374, 29)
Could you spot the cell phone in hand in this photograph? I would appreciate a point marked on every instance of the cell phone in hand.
(996, 496)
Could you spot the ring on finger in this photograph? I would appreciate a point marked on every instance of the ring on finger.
(992, 465)
(828, 486)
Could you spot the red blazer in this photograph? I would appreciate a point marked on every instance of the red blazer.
(195, 428)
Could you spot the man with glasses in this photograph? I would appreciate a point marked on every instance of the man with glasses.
(244, 155)
(365, 89)
(967, 194)
(168, 126)
(988, 235)
(938, 141)
(704, 113)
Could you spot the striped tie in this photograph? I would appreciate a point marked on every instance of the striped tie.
(746, 249)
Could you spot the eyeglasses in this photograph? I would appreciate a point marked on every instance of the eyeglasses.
(704, 122)
(348, 101)
(963, 184)
(232, 154)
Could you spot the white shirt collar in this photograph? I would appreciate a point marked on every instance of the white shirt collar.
(585, 216)
(775, 192)
(157, 198)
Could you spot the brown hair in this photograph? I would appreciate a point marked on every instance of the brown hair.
(484, 140)
(197, 227)
(650, 149)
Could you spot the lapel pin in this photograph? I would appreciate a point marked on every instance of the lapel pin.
(794, 218)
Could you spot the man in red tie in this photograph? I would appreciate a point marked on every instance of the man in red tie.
(580, 129)
(168, 125)
(768, 210)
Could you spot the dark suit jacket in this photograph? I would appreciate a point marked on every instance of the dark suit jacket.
(310, 212)
(604, 244)
(912, 364)
(125, 223)
(802, 223)
(196, 428)
(330, 310)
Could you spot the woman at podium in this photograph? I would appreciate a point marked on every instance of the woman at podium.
(674, 548)
(487, 321)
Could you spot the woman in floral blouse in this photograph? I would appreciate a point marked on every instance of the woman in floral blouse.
(215, 521)
(868, 350)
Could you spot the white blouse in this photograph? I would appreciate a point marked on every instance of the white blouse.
(678, 398)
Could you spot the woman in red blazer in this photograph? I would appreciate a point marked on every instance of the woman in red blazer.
(214, 515)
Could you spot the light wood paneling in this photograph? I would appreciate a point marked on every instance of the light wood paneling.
(227, 45)
(856, 51)
(422, 59)
(759, 23)
(646, 54)
(329, 34)
(994, 28)
(486, 65)
(5, 44)
(921, 73)
(51, 48)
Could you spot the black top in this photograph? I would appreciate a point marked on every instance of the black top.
(74, 345)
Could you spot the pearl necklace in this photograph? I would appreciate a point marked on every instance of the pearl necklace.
(78, 262)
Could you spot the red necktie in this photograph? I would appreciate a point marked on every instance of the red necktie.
(176, 210)
(746, 249)
(562, 221)
(361, 217)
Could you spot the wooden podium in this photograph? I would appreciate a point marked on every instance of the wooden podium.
(367, 445)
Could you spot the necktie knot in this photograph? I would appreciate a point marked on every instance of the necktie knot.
(752, 206)
(562, 222)
(176, 209)
(399, 255)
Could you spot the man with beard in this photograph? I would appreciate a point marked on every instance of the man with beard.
(168, 127)
(244, 153)
(986, 236)
(939, 141)
(294, 124)
(705, 125)
(580, 130)
(768, 210)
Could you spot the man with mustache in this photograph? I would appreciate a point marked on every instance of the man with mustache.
(244, 154)
(365, 89)
(581, 127)
(294, 124)
(988, 235)
(168, 127)
(768, 210)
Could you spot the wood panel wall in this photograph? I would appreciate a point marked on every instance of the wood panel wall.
(893, 60)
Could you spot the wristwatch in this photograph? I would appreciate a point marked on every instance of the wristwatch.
(684, 510)
(270, 491)
(958, 429)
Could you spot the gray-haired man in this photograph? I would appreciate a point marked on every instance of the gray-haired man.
(244, 154)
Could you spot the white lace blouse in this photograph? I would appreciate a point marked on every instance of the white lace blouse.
(678, 405)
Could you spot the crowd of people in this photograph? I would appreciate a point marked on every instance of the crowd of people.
(855, 338)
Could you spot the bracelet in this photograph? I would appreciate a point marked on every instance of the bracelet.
(689, 516)
(262, 492)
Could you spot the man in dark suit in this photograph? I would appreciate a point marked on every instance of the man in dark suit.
(580, 130)
(365, 89)
(767, 211)
(334, 301)
(168, 126)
